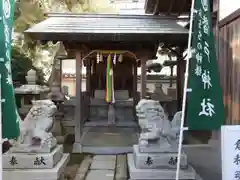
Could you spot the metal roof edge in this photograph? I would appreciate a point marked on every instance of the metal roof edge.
(106, 15)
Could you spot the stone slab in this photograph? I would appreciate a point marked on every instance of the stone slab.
(158, 174)
(38, 174)
(121, 167)
(32, 160)
(85, 164)
(100, 174)
(157, 160)
(105, 157)
(61, 177)
(83, 169)
(79, 177)
(152, 148)
(198, 177)
(103, 165)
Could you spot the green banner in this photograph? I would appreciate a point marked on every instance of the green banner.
(10, 116)
(205, 109)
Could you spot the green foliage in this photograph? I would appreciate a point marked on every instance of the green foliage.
(31, 12)
(21, 64)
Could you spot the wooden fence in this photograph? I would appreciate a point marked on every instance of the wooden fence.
(229, 65)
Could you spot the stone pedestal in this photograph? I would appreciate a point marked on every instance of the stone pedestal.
(111, 115)
(26, 148)
(156, 156)
(58, 130)
(58, 98)
(158, 165)
(35, 166)
(159, 160)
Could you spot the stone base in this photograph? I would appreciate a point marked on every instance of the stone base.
(152, 148)
(157, 160)
(198, 177)
(158, 174)
(61, 139)
(55, 173)
(111, 115)
(32, 160)
(25, 148)
(77, 147)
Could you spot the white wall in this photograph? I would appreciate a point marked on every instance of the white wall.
(227, 7)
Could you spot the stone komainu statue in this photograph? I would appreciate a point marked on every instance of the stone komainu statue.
(36, 127)
(156, 128)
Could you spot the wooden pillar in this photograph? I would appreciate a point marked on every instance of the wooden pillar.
(171, 69)
(143, 78)
(134, 92)
(78, 107)
(178, 86)
(88, 86)
(180, 81)
(94, 78)
(88, 77)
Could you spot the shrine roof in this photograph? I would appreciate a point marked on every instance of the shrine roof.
(108, 27)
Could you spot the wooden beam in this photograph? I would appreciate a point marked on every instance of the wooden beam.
(170, 7)
(182, 7)
(156, 8)
(144, 53)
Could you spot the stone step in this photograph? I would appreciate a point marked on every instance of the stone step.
(55, 173)
(105, 158)
(157, 160)
(100, 175)
(102, 167)
(158, 174)
(32, 160)
(103, 162)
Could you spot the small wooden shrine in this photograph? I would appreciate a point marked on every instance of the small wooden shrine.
(133, 40)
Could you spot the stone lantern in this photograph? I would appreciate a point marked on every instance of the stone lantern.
(56, 95)
(58, 98)
(31, 77)
(30, 91)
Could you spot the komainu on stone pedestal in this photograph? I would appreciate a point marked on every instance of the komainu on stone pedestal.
(156, 128)
(35, 135)
(36, 154)
(156, 155)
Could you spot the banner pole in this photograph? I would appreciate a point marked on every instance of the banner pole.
(1, 140)
(185, 90)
